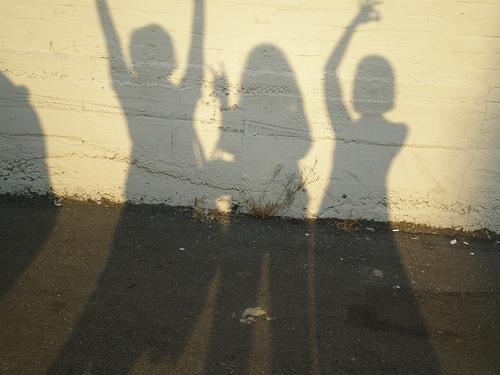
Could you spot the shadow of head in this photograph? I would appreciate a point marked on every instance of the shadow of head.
(267, 57)
(152, 53)
(373, 91)
(9, 88)
(270, 90)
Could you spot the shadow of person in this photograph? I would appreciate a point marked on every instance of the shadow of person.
(265, 131)
(24, 171)
(381, 311)
(149, 307)
(278, 134)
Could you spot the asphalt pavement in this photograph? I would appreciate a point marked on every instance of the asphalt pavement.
(89, 288)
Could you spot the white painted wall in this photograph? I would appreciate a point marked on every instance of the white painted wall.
(76, 120)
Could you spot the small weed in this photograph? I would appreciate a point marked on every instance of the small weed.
(262, 207)
(348, 225)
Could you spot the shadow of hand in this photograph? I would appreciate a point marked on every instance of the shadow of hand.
(367, 12)
(220, 85)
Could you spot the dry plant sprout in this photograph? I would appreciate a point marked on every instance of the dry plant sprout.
(264, 207)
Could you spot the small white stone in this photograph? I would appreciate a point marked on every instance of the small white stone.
(453, 242)
(378, 273)
(253, 311)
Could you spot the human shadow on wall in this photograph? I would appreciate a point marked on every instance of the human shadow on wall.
(23, 171)
(380, 306)
(149, 306)
(264, 131)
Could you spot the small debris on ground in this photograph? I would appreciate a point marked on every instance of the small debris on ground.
(472, 253)
(249, 314)
(348, 225)
(370, 229)
(254, 311)
(396, 287)
(58, 202)
(453, 242)
(378, 273)
(395, 230)
(307, 234)
(247, 320)
(466, 243)
(181, 249)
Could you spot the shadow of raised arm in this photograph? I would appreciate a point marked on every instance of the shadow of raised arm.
(337, 109)
(194, 69)
(117, 65)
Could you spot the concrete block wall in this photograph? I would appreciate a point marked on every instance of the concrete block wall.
(392, 110)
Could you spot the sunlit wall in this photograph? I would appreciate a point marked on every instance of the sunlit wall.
(387, 111)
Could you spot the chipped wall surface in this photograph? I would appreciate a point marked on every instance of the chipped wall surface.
(388, 111)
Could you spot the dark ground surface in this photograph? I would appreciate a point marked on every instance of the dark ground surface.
(107, 289)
